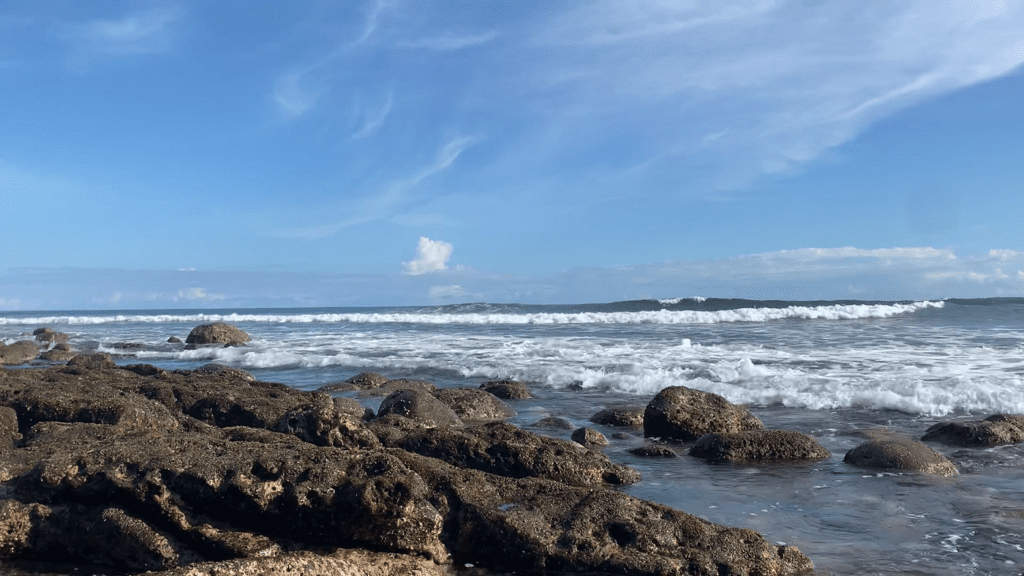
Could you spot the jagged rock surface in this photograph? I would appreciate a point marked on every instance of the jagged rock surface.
(681, 413)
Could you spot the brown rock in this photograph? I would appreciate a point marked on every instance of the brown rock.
(48, 335)
(342, 562)
(624, 416)
(653, 451)
(553, 422)
(474, 404)
(420, 406)
(681, 413)
(898, 455)
(399, 384)
(589, 437)
(507, 389)
(758, 446)
(20, 352)
(217, 333)
(505, 450)
(992, 431)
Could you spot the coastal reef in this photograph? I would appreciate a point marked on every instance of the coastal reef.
(210, 471)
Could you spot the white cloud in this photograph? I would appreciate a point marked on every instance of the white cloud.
(292, 97)
(431, 256)
(1004, 254)
(374, 118)
(145, 32)
(446, 292)
(198, 294)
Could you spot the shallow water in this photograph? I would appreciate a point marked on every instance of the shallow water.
(835, 372)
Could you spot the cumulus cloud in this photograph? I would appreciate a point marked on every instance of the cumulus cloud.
(431, 256)
(445, 292)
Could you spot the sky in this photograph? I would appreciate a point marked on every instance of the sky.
(185, 154)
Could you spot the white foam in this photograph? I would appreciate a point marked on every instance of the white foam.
(830, 312)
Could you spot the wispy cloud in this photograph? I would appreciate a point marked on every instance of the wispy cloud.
(777, 83)
(450, 42)
(373, 119)
(431, 256)
(292, 96)
(197, 293)
(145, 32)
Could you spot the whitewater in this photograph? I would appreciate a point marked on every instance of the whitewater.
(834, 370)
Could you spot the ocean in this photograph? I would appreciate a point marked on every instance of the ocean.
(836, 370)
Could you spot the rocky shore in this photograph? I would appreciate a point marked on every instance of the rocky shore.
(134, 469)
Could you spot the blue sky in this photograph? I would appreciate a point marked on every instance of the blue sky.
(195, 154)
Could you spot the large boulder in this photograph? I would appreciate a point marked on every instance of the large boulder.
(420, 406)
(20, 352)
(589, 437)
(48, 335)
(503, 449)
(217, 333)
(900, 455)
(992, 431)
(681, 413)
(473, 404)
(758, 446)
(341, 562)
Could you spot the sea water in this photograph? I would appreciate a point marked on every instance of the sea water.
(838, 371)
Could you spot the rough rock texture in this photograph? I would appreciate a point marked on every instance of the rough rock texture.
(553, 422)
(173, 340)
(992, 431)
(624, 416)
(653, 451)
(589, 437)
(682, 413)
(210, 473)
(420, 406)
(225, 371)
(473, 404)
(49, 335)
(59, 353)
(535, 526)
(352, 562)
(217, 333)
(506, 450)
(399, 384)
(20, 352)
(362, 381)
(900, 454)
(758, 446)
(507, 389)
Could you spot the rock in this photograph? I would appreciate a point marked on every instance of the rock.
(341, 562)
(758, 446)
(399, 384)
(353, 408)
(505, 450)
(623, 416)
(589, 437)
(20, 352)
(127, 345)
(48, 335)
(474, 404)
(59, 353)
(83, 363)
(507, 389)
(681, 413)
(217, 333)
(992, 431)
(900, 455)
(653, 451)
(534, 526)
(9, 429)
(174, 340)
(319, 423)
(553, 422)
(143, 369)
(367, 380)
(420, 406)
(225, 371)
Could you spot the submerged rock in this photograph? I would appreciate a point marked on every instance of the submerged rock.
(217, 333)
(553, 422)
(992, 431)
(758, 446)
(653, 451)
(900, 454)
(681, 413)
